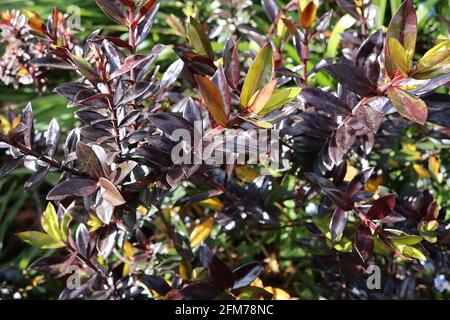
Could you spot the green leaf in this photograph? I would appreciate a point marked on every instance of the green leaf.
(408, 105)
(398, 56)
(40, 240)
(49, 222)
(259, 74)
(407, 240)
(198, 38)
(413, 252)
(279, 98)
(347, 21)
(213, 100)
(434, 62)
(85, 68)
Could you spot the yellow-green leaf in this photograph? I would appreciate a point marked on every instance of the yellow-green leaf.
(398, 56)
(49, 222)
(279, 98)
(40, 240)
(201, 232)
(434, 62)
(198, 38)
(213, 99)
(259, 74)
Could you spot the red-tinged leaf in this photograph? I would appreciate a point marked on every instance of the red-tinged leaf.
(432, 212)
(198, 39)
(308, 15)
(370, 117)
(198, 63)
(367, 56)
(259, 74)
(244, 275)
(262, 97)
(113, 9)
(145, 26)
(271, 8)
(213, 100)
(86, 69)
(128, 3)
(353, 78)
(231, 63)
(88, 160)
(364, 242)
(408, 105)
(220, 80)
(403, 27)
(110, 193)
(10, 165)
(381, 207)
(52, 63)
(146, 7)
(130, 63)
(345, 137)
(75, 186)
(358, 181)
(338, 223)
(341, 199)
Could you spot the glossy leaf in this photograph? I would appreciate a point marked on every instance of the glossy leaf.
(213, 100)
(201, 232)
(40, 240)
(110, 193)
(198, 38)
(259, 74)
(75, 186)
(353, 78)
(113, 9)
(408, 105)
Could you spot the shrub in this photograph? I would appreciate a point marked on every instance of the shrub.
(138, 213)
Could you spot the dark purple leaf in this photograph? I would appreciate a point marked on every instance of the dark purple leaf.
(220, 81)
(145, 25)
(353, 78)
(156, 283)
(168, 123)
(52, 139)
(75, 186)
(364, 242)
(359, 181)
(200, 291)
(338, 223)
(37, 177)
(51, 63)
(271, 9)
(244, 275)
(324, 101)
(28, 120)
(89, 161)
(10, 165)
(113, 9)
(367, 56)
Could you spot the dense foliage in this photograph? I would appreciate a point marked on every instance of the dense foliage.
(361, 114)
